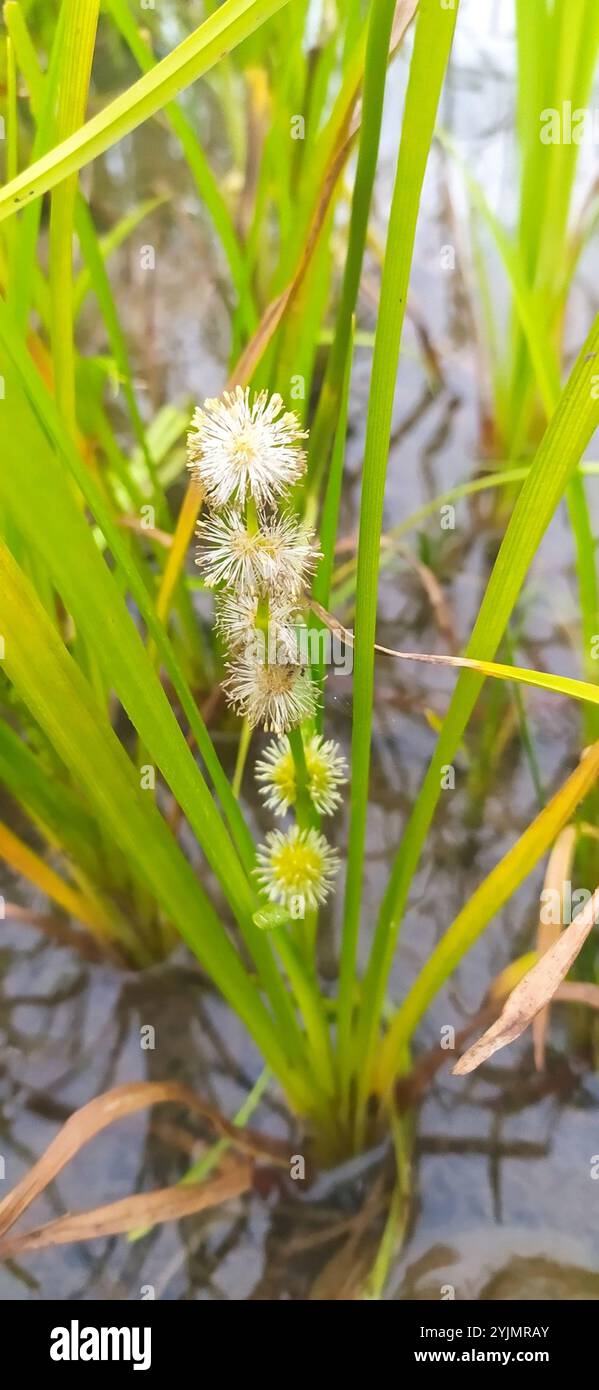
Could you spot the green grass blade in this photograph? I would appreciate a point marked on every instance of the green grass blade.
(10, 135)
(542, 352)
(64, 706)
(110, 243)
(223, 30)
(50, 804)
(488, 899)
(90, 248)
(375, 72)
(556, 67)
(24, 500)
(522, 675)
(12, 129)
(24, 264)
(205, 181)
(321, 588)
(200, 1171)
(544, 362)
(76, 54)
(432, 44)
(556, 461)
(76, 901)
(95, 273)
(48, 514)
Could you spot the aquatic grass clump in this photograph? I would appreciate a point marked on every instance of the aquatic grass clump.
(105, 658)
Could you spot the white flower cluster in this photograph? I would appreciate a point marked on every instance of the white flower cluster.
(246, 455)
(297, 867)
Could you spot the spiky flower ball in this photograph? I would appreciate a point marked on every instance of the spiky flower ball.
(326, 768)
(244, 450)
(240, 448)
(277, 557)
(297, 869)
(237, 617)
(279, 697)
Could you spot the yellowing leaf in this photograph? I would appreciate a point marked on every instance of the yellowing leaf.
(558, 871)
(534, 991)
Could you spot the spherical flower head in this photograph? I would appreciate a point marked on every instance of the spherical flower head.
(277, 696)
(228, 552)
(240, 448)
(236, 617)
(278, 557)
(326, 770)
(296, 868)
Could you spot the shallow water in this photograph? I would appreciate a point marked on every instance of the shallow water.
(503, 1204)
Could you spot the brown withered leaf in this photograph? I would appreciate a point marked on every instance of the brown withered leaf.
(105, 1110)
(578, 992)
(559, 868)
(132, 1213)
(271, 318)
(534, 991)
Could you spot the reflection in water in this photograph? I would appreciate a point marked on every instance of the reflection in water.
(502, 1161)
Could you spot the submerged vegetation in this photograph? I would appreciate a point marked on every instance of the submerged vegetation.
(111, 673)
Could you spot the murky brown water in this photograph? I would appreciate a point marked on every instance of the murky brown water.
(504, 1206)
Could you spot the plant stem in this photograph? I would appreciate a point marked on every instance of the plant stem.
(375, 71)
(304, 809)
(243, 749)
(79, 39)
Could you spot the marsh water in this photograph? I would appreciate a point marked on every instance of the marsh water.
(503, 1203)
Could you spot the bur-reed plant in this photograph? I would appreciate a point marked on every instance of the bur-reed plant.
(103, 744)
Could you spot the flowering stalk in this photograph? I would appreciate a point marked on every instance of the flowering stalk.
(304, 810)
(246, 453)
